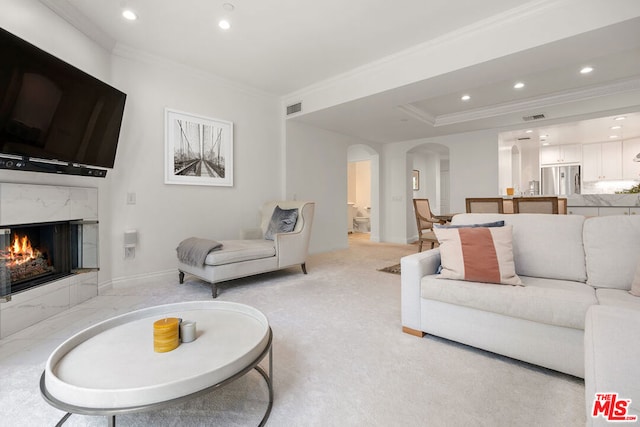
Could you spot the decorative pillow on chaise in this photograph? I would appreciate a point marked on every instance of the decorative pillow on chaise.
(635, 285)
(282, 221)
(478, 254)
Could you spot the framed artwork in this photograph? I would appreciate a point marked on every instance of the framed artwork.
(416, 180)
(198, 150)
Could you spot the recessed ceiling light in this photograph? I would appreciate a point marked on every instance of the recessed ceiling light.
(620, 118)
(465, 97)
(545, 143)
(228, 7)
(528, 131)
(615, 127)
(586, 70)
(129, 14)
(518, 85)
(224, 24)
(544, 136)
(613, 136)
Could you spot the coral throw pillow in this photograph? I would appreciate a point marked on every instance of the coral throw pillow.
(478, 254)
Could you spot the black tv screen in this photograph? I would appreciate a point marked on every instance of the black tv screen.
(51, 110)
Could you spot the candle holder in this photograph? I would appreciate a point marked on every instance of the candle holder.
(187, 331)
(165, 334)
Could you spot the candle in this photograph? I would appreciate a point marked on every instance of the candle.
(188, 331)
(165, 334)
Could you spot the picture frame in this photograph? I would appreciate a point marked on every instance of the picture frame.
(416, 180)
(198, 150)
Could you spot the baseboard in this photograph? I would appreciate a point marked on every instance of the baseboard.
(168, 275)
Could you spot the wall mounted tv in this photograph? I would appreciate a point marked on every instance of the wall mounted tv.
(53, 116)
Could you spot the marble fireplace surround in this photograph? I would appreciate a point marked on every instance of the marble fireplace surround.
(32, 203)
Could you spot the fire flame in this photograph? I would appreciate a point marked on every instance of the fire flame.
(20, 251)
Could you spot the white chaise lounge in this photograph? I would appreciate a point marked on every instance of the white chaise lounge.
(253, 254)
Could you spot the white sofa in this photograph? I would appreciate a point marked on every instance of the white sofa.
(253, 254)
(567, 264)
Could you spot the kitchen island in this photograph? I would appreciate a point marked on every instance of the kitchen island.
(603, 204)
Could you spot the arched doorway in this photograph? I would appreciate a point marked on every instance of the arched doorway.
(363, 191)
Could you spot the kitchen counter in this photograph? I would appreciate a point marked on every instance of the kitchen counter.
(600, 200)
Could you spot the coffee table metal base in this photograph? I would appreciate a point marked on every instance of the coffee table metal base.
(112, 412)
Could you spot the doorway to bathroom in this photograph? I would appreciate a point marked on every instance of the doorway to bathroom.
(363, 188)
(359, 196)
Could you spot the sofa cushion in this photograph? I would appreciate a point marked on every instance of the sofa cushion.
(282, 221)
(617, 297)
(543, 245)
(612, 245)
(241, 250)
(480, 254)
(549, 301)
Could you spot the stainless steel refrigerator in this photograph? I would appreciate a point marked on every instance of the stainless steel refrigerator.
(560, 180)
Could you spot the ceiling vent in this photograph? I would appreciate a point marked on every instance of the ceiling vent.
(294, 108)
(524, 138)
(533, 117)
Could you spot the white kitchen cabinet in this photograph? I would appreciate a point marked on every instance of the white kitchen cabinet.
(612, 210)
(630, 168)
(582, 210)
(634, 211)
(602, 161)
(555, 154)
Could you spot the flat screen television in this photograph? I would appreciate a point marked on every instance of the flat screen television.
(52, 111)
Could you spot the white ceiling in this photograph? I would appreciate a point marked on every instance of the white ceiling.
(281, 46)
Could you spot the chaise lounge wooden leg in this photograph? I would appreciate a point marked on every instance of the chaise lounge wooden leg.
(304, 267)
(214, 290)
(181, 276)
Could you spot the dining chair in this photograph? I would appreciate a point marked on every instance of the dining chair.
(485, 205)
(543, 205)
(424, 222)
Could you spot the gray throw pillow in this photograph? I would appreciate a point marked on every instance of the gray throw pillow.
(282, 221)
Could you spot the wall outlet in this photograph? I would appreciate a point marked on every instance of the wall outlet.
(129, 253)
(131, 198)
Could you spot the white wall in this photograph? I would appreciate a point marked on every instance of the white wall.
(166, 214)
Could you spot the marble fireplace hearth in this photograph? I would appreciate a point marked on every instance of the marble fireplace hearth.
(29, 204)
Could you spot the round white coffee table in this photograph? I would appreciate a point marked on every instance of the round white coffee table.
(111, 368)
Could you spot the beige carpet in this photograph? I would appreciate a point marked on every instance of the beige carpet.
(340, 358)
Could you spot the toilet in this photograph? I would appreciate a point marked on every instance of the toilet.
(363, 221)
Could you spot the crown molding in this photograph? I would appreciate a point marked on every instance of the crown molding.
(73, 16)
(417, 113)
(522, 12)
(536, 103)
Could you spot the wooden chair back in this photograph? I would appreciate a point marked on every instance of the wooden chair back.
(485, 205)
(424, 222)
(543, 205)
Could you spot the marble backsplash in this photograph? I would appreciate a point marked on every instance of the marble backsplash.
(622, 200)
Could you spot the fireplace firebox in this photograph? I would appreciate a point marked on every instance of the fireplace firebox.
(35, 254)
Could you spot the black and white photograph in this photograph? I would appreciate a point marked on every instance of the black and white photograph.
(199, 150)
